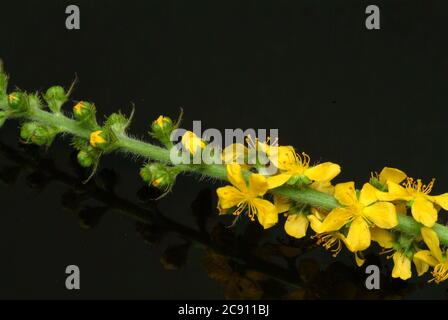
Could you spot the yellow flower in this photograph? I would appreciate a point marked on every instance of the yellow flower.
(235, 152)
(247, 197)
(157, 182)
(297, 227)
(192, 142)
(433, 256)
(359, 214)
(79, 106)
(161, 121)
(292, 164)
(96, 138)
(402, 266)
(334, 242)
(402, 261)
(417, 194)
(13, 98)
(297, 223)
(391, 174)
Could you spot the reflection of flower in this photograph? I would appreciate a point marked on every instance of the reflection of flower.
(236, 285)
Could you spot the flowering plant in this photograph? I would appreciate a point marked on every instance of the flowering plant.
(392, 209)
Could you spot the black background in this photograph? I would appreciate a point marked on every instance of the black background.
(363, 99)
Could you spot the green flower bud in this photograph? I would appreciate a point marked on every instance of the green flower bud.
(55, 97)
(299, 180)
(377, 184)
(161, 130)
(85, 159)
(34, 101)
(162, 125)
(117, 122)
(32, 132)
(83, 110)
(98, 139)
(17, 101)
(158, 175)
(3, 117)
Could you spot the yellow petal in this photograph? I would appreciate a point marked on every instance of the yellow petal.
(392, 174)
(384, 238)
(96, 138)
(296, 225)
(284, 157)
(323, 186)
(336, 219)
(359, 260)
(235, 177)
(266, 212)
(402, 266)
(320, 215)
(315, 223)
(323, 172)
(420, 265)
(278, 180)
(192, 142)
(395, 192)
(432, 241)
(345, 193)
(229, 197)
(258, 185)
(424, 212)
(281, 203)
(235, 152)
(426, 257)
(441, 200)
(358, 238)
(382, 214)
(367, 196)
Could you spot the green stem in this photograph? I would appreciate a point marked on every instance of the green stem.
(149, 151)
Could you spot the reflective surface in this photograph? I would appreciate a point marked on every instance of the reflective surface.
(335, 90)
(135, 247)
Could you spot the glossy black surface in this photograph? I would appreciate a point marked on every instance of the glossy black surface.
(363, 99)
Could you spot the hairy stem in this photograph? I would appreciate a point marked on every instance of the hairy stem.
(218, 171)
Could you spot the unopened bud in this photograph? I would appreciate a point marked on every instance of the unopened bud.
(83, 110)
(38, 134)
(158, 175)
(55, 97)
(17, 101)
(85, 159)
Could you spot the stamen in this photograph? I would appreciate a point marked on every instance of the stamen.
(387, 251)
(427, 189)
(330, 242)
(250, 142)
(305, 160)
(440, 273)
(418, 185)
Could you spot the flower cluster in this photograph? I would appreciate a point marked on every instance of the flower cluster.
(391, 209)
(369, 214)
